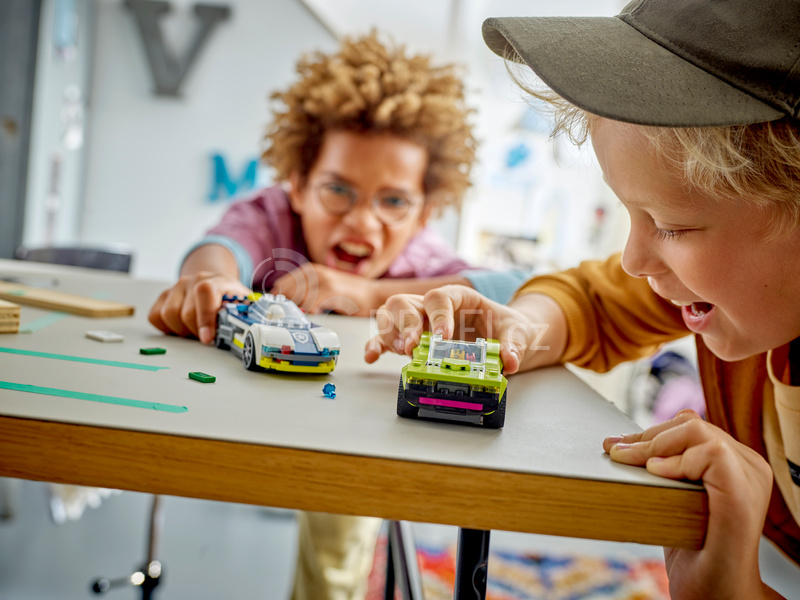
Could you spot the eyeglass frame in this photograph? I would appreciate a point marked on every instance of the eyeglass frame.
(375, 198)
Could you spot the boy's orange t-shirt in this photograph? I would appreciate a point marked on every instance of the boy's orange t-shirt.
(613, 317)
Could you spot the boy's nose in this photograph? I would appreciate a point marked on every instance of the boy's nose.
(362, 217)
(640, 258)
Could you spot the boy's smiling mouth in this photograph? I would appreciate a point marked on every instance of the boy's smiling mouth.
(696, 315)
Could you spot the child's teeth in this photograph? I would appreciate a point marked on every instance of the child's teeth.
(355, 249)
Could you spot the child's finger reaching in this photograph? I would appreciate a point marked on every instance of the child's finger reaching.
(648, 434)
(207, 298)
(401, 321)
(439, 307)
(671, 441)
(155, 313)
(172, 309)
(512, 347)
(374, 348)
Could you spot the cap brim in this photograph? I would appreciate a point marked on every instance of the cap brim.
(608, 68)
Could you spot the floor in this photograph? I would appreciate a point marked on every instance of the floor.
(212, 549)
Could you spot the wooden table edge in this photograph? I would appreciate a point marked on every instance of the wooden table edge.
(348, 484)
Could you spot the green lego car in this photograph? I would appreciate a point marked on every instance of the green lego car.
(455, 381)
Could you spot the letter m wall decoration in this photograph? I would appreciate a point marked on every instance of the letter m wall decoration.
(224, 185)
(168, 70)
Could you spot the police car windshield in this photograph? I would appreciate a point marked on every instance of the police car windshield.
(283, 313)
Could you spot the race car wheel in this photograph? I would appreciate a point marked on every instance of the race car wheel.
(249, 354)
(404, 409)
(498, 418)
(219, 341)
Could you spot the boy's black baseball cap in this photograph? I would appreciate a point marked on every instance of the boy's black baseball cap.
(674, 63)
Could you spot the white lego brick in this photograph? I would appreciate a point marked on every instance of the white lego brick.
(105, 336)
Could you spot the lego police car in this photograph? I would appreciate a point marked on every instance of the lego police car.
(271, 333)
(455, 381)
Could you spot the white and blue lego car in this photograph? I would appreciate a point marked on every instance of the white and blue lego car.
(271, 332)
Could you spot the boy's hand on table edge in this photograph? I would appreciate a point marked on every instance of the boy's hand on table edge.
(189, 308)
(456, 312)
(738, 481)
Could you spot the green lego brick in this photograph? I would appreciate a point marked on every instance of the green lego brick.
(202, 377)
(152, 350)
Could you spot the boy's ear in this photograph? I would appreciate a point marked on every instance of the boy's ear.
(296, 192)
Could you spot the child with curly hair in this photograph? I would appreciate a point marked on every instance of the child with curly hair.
(368, 144)
(692, 108)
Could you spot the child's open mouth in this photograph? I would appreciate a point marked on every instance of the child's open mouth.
(697, 315)
(352, 253)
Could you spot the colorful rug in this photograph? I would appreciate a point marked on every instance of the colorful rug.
(536, 576)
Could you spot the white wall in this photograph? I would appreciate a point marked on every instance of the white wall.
(149, 156)
(55, 72)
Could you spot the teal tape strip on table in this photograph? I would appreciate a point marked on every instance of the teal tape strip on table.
(36, 389)
(42, 322)
(83, 359)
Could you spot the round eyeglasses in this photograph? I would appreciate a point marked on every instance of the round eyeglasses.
(389, 207)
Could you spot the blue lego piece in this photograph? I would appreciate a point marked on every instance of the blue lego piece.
(329, 390)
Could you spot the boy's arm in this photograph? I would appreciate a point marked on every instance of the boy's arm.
(315, 287)
(189, 308)
(611, 316)
(594, 315)
(212, 258)
(532, 329)
(495, 285)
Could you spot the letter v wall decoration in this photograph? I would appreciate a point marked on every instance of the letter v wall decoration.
(168, 70)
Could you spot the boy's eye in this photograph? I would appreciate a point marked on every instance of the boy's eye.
(339, 189)
(394, 202)
(670, 234)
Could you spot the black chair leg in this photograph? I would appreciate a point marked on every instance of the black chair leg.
(149, 575)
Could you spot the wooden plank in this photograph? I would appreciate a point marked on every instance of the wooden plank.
(8, 309)
(9, 317)
(348, 484)
(60, 301)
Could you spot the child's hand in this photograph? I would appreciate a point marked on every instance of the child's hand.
(316, 288)
(189, 308)
(739, 483)
(456, 312)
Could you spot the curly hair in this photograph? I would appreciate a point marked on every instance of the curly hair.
(759, 163)
(367, 87)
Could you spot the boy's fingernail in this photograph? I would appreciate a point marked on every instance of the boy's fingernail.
(439, 330)
(205, 334)
(614, 439)
(399, 345)
(409, 341)
(655, 459)
(622, 446)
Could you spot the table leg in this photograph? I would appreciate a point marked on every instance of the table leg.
(402, 566)
(472, 564)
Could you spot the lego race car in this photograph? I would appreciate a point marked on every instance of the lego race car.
(271, 333)
(456, 381)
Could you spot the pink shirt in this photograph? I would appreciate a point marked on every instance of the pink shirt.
(264, 234)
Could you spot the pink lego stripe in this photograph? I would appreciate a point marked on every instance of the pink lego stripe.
(450, 403)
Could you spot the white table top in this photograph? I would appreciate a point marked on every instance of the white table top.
(554, 424)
